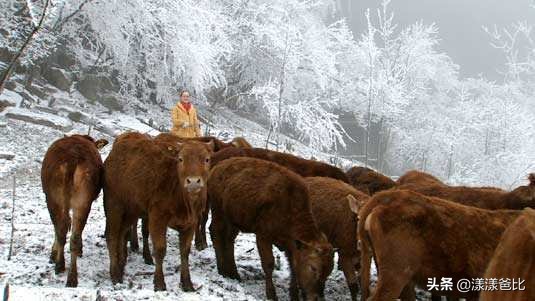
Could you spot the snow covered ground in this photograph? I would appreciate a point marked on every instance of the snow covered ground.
(32, 277)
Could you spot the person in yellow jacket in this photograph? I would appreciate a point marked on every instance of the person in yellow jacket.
(184, 116)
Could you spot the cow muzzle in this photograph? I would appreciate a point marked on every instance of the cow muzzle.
(193, 184)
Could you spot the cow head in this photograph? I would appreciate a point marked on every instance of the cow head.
(524, 196)
(313, 262)
(193, 165)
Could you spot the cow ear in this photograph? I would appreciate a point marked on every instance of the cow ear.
(353, 203)
(235, 143)
(210, 145)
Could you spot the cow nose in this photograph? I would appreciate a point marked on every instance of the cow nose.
(194, 183)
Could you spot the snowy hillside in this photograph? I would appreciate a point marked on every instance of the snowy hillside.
(31, 276)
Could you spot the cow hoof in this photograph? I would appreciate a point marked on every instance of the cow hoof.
(159, 287)
(187, 287)
(60, 268)
(148, 260)
(72, 282)
(201, 246)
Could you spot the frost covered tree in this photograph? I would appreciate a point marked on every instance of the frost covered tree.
(25, 32)
(293, 57)
(396, 69)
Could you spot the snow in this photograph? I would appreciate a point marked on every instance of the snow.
(32, 277)
(41, 118)
(10, 97)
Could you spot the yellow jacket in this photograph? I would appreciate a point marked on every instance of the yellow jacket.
(185, 124)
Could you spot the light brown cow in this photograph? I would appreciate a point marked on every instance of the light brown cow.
(414, 237)
(164, 181)
(71, 180)
(261, 197)
(514, 259)
(200, 233)
(329, 201)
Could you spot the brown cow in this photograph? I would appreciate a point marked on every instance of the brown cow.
(329, 201)
(514, 258)
(418, 177)
(166, 182)
(261, 197)
(368, 181)
(414, 237)
(481, 197)
(301, 166)
(218, 144)
(71, 179)
(200, 233)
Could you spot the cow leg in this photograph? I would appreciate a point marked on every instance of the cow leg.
(294, 288)
(158, 233)
(435, 297)
(186, 238)
(268, 264)
(200, 233)
(63, 225)
(145, 233)
(134, 243)
(114, 220)
(219, 232)
(80, 214)
(123, 246)
(61, 222)
(230, 261)
(346, 263)
(365, 266)
(408, 293)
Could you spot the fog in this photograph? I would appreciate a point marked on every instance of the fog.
(460, 26)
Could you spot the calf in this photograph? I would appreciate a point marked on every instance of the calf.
(71, 180)
(261, 197)
(481, 197)
(514, 258)
(414, 237)
(368, 180)
(200, 233)
(329, 201)
(164, 181)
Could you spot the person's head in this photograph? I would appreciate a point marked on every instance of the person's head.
(184, 96)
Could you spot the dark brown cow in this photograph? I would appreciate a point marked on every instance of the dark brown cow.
(71, 179)
(481, 197)
(301, 166)
(414, 237)
(164, 181)
(514, 259)
(368, 180)
(418, 177)
(261, 197)
(329, 201)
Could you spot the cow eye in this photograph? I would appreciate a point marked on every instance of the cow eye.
(207, 160)
(180, 159)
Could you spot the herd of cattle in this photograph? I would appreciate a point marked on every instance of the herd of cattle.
(415, 228)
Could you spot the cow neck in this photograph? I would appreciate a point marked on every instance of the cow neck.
(170, 185)
(304, 227)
